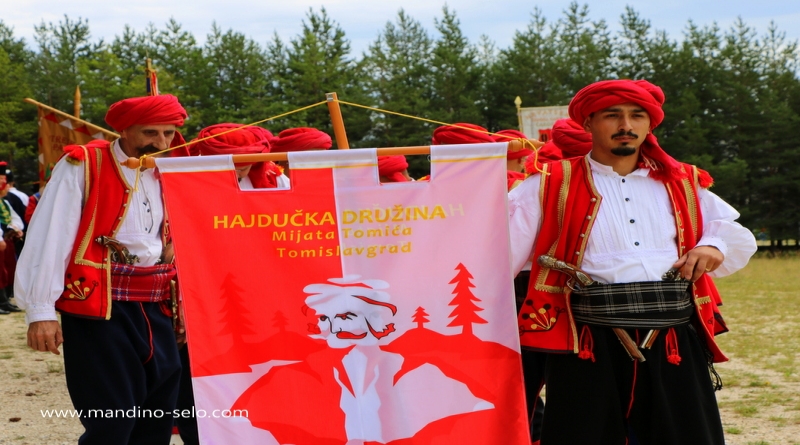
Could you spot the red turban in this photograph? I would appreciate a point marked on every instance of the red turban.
(601, 95)
(147, 110)
(301, 139)
(460, 133)
(392, 167)
(570, 137)
(242, 140)
(607, 93)
(508, 135)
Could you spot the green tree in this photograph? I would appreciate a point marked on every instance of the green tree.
(17, 119)
(183, 71)
(582, 52)
(237, 65)
(525, 70)
(399, 65)
(317, 62)
(61, 47)
(456, 74)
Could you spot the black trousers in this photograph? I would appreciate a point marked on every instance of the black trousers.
(187, 426)
(533, 368)
(126, 371)
(614, 399)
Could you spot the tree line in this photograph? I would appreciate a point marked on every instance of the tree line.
(733, 96)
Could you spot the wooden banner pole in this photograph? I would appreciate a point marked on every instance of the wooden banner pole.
(150, 161)
(337, 121)
(76, 106)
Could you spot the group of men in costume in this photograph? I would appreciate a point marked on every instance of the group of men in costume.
(13, 204)
(602, 197)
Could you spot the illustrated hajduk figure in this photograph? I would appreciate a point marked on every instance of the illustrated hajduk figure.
(354, 391)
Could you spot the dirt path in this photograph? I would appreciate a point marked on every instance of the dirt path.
(31, 382)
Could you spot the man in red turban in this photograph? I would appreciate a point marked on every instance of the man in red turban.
(570, 137)
(300, 139)
(515, 159)
(222, 139)
(393, 169)
(625, 215)
(113, 293)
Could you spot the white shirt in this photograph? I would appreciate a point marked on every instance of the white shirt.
(634, 234)
(23, 197)
(39, 279)
(246, 184)
(16, 220)
(283, 182)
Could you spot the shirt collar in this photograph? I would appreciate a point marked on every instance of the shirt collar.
(608, 170)
(118, 153)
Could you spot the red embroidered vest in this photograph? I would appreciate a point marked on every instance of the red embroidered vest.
(570, 203)
(87, 285)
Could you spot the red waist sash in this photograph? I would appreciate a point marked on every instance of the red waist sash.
(147, 284)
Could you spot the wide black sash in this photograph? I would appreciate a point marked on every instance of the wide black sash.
(646, 304)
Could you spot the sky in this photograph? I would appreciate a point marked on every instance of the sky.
(363, 20)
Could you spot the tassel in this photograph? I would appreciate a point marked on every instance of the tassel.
(587, 344)
(672, 347)
(704, 178)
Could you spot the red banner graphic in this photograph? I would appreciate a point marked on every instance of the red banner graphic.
(344, 311)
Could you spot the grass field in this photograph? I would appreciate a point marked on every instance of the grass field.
(762, 310)
(760, 404)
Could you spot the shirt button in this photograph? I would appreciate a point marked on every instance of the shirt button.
(623, 180)
(627, 199)
(633, 221)
(636, 243)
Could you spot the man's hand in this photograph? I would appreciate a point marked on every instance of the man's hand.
(45, 336)
(168, 254)
(694, 263)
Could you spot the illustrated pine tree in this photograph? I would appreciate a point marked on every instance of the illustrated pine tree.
(465, 313)
(420, 317)
(234, 312)
(280, 321)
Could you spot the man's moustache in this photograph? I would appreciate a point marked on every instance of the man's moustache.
(625, 133)
(349, 335)
(147, 149)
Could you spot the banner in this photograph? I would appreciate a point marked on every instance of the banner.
(56, 131)
(537, 121)
(345, 311)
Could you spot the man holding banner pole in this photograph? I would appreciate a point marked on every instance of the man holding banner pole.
(99, 253)
(637, 236)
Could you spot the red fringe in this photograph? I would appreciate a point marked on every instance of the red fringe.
(75, 152)
(704, 178)
(672, 347)
(587, 344)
